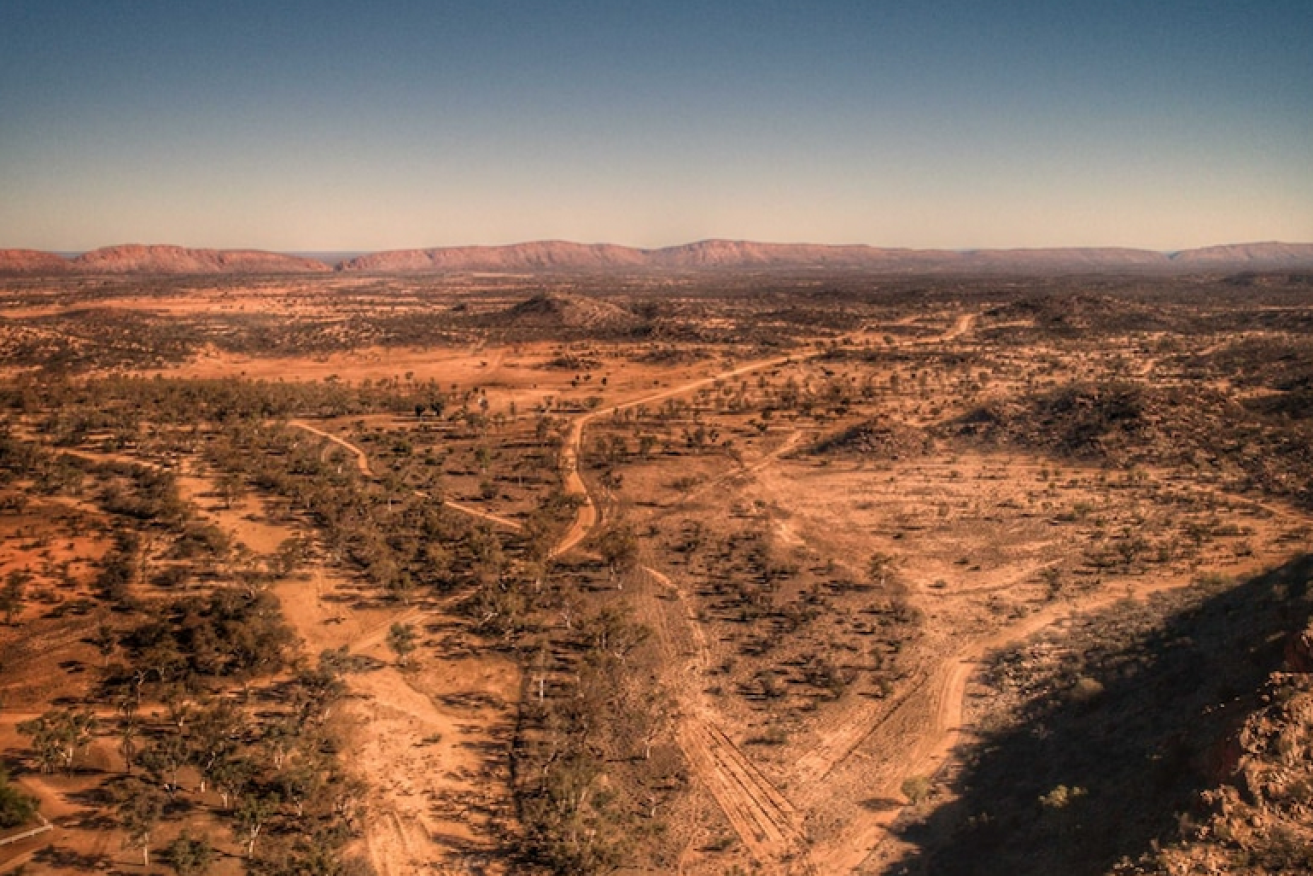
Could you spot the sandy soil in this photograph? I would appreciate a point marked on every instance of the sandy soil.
(430, 738)
(973, 534)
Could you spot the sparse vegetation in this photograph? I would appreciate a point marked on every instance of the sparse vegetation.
(274, 522)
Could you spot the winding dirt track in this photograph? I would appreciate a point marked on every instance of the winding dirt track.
(765, 820)
(923, 727)
(362, 458)
(588, 516)
(761, 815)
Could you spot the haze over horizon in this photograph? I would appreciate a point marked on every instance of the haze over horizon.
(329, 126)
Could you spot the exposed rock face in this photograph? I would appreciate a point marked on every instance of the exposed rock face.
(1257, 822)
(32, 261)
(160, 259)
(741, 254)
(703, 255)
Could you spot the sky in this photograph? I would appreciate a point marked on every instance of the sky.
(299, 126)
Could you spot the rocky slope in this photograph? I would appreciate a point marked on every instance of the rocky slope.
(1255, 256)
(1260, 821)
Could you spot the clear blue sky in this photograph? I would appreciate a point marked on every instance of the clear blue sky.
(347, 125)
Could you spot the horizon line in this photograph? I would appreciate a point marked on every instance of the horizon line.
(358, 251)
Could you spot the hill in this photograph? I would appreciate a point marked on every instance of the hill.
(163, 259)
(31, 261)
(545, 255)
(556, 312)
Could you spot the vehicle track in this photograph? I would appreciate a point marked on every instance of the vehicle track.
(764, 819)
(362, 458)
(761, 816)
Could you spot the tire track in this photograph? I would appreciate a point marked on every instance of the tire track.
(762, 817)
(367, 471)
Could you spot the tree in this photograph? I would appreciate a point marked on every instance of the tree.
(13, 592)
(141, 805)
(619, 549)
(291, 555)
(252, 814)
(612, 632)
(300, 780)
(164, 758)
(106, 640)
(231, 487)
(189, 855)
(231, 774)
(15, 806)
(402, 640)
(58, 736)
(128, 732)
(314, 855)
(317, 690)
(916, 789)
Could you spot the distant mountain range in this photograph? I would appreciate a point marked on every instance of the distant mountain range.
(555, 256)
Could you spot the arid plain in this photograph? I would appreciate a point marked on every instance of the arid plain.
(593, 568)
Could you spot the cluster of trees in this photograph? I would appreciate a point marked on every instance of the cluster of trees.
(186, 740)
(44, 471)
(133, 407)
(190, 655)
(194, 647)
(771, 600)
(398, 539)
(583, 721)
(277, 783)
(229, 633)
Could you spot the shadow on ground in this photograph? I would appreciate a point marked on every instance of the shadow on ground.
(1111, 762)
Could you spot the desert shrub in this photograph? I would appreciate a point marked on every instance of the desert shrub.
(916, 789)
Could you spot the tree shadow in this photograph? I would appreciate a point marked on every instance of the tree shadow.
(62, 858)
(882, 804)
(1106, 765)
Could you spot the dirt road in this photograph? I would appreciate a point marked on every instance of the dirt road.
(362, 458)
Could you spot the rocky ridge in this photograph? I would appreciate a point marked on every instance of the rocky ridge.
(162, 259)
(556, 256)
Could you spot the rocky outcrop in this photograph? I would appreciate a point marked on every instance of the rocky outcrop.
(559, 312)
(1256, 822)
